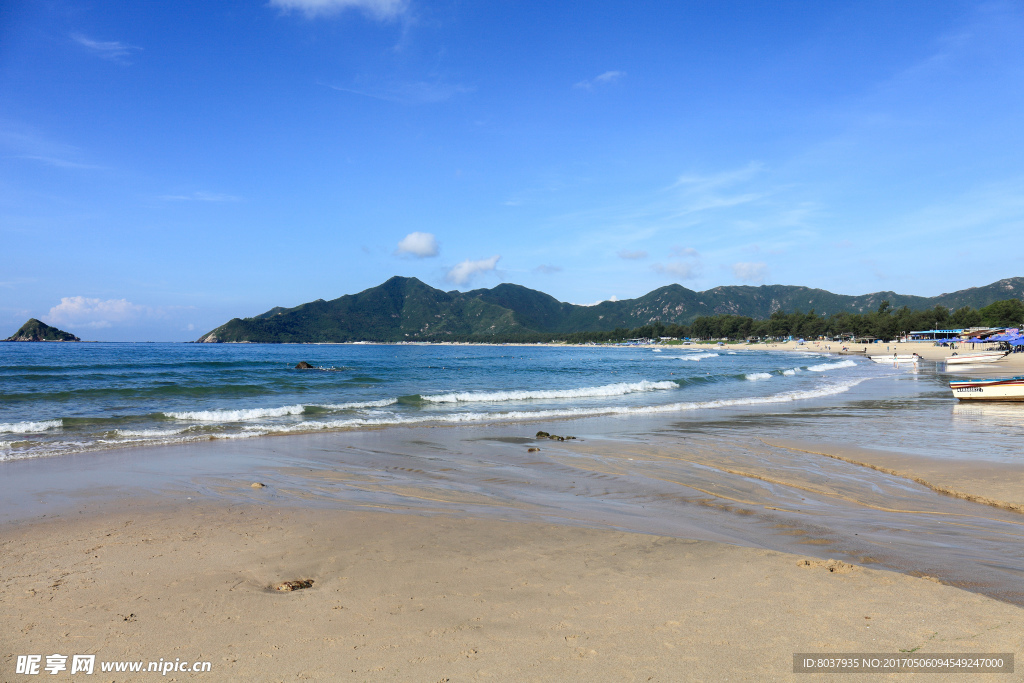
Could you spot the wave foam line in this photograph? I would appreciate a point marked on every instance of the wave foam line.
(509, 416)
(831, 366)
(149, 433)
(618, 389)
(754, 376)
(29, 427)
(236, 415)
(696, 356)
(384, 402)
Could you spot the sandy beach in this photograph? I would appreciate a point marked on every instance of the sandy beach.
(418, 574)
(400, 597)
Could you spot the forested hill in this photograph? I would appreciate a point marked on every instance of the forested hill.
(405, 309)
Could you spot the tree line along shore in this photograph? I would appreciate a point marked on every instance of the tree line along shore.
(885, 323)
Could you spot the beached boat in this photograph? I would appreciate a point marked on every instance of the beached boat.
(897, 358)
(973, 358)
(1004, 389)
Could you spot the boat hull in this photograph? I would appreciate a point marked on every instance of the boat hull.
(1004, 389)
(906, 358)
(975, 358)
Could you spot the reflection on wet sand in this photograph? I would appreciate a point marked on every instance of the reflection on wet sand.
(739, 490)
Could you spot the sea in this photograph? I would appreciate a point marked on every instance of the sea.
(75, 399)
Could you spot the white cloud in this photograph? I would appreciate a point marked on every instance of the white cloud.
(97, 313)
(113, 50)
(632, 255)
(685, 252)
(547, 270)
(418, 244)
(678, 269)
(462, 273)
(603, 79)
(750, 272)
(378, 9)
(611, 298)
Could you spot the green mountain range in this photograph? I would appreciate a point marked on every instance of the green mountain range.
(36, 330)
(405, 309)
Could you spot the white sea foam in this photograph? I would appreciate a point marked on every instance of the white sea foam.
(150, 433)
(618, 389)
(824, 367)
(236, 415)
(356, 406)
(697, 356)
(29, 427)
(510, 416)
(791, 371)
(754, 376)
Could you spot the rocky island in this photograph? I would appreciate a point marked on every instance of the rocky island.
(36, 330)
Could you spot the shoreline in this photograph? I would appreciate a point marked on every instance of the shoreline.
(454, 552)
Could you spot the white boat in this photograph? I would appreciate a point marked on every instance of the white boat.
(973, 358)
(1004, 389)
(897, 358)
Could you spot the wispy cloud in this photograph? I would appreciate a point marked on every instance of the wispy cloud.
(465, 271)
(547, 270)
(606, 78)
(410, 92)
(754, 273)
(112, 50)
(376, 9)
(632, 255)
(32, 145)
(200, 197)
(685, 252)
(418, 244)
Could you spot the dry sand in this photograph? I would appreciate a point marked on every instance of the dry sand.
(414, 598)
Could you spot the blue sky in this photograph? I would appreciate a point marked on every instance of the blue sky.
(167, 166)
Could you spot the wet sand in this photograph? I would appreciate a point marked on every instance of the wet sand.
(635, 552)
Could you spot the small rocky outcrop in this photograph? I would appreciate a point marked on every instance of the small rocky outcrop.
(36, 330)
(305, 366)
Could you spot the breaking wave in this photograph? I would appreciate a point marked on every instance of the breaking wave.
(29, 427)
(515, 415)
(236, 415)
(618, 389)
(754, 376)
(824, 367)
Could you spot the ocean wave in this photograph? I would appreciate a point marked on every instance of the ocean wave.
(824, 367)
(149, 433)
(384, 402)
(696, 356)
(236, 415)
(29, 427)
(754, 376)
(518, 415)
(618, 389)
(791, 371)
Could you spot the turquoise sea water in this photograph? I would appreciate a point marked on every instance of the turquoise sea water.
(58, 399)
(70, 398)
